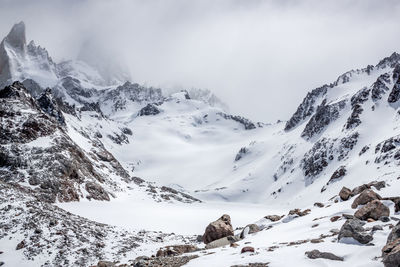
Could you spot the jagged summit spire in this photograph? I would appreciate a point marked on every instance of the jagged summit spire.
(16, 37)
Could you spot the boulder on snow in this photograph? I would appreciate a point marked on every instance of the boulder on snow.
(345, 193)
(316, 254)
(365, 197)
(374, 210)
(249, 229)
(353, 228)
(247, 249)
(391, 251)
(319, 204)
(218, 229)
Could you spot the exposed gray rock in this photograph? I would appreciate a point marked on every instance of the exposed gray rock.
(353, 228)
(323, 116)
(316, 254)
(306, 108)
(149, 109)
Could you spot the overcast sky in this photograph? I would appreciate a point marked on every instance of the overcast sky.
(260, 57)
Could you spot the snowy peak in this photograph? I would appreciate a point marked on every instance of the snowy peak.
(16, 38)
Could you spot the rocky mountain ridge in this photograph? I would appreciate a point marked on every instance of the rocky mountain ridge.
(68, 135)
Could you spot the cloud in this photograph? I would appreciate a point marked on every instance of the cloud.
(261, 57)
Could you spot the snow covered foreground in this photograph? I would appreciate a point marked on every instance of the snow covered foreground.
(133, 166)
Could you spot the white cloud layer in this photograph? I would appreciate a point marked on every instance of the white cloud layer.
(261, 57)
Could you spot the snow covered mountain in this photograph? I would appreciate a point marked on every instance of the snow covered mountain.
(97, 146)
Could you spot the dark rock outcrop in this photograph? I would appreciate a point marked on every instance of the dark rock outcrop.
(149, 110)
(306, 108)
(323, 116)
(247, 124)
(338, 174)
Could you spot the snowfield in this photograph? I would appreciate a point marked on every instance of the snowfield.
(94, 170)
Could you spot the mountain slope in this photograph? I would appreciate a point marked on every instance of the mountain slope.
(128, 155)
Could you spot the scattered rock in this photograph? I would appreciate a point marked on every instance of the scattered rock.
(335, 218)
(273, 218)
(353, 228)
(365, 197)
(175, 250)
(249, 229)
(218, 229)
(384, 218)
(105, 264)
(345, 193)
(247, 249)
(319, 204)
(255, 264)
(316, 240)
(377, 228)
(316, 254)
(162, 261)
(374, 209)
(299, 212)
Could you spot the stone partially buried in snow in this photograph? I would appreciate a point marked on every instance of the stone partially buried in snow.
(249, 229)
(353, 229)
(218, 229)
(374, 210)
(316, 254)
